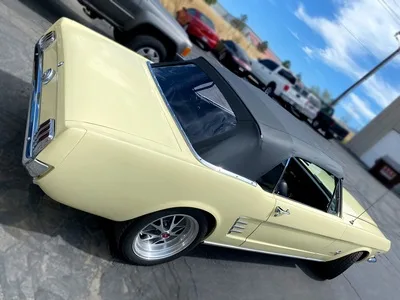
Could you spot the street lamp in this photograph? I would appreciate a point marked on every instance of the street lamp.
(370, 73)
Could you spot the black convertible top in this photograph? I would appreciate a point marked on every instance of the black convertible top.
(252, 152)
(282, 135)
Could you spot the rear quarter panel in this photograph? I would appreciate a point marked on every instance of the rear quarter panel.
(118, 180)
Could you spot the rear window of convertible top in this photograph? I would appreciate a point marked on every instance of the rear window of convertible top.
(198, 104)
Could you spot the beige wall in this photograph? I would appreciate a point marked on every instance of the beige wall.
(387, 120)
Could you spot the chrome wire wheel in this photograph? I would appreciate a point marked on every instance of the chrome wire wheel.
(165, 237)
(149, 53)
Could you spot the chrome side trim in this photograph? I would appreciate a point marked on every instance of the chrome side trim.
(259, 251)
(201, 160)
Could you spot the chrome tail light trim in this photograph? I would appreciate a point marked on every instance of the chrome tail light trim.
(35, 167)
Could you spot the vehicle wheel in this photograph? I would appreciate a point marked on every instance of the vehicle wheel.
(328, 135)
(315, 124)
(160, 237)
(149, 47)
(296, 113)
(270, 90)
(332, 269)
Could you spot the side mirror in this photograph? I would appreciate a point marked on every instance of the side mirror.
(282, 188)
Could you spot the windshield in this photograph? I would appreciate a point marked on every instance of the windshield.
(288, 76)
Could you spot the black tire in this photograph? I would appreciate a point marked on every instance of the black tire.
(328, 135)
(332, 269)
(126, 232)
(315, 124)
(146, 41)
(297, 114)
(271, 87)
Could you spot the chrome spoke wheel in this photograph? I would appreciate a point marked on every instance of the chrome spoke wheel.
(149, 53)
(165, 237)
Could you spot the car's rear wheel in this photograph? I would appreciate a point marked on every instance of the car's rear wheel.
(270, 90)
(315, 124)
(332, 269)
(147, 46)
(160, 237)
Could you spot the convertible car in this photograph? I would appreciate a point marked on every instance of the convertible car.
(183, 153)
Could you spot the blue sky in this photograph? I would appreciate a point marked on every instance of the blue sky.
(332, 43)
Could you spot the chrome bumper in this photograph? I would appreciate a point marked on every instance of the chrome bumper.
(34, 166)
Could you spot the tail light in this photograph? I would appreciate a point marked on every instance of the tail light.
(43, 136)
(286, 88)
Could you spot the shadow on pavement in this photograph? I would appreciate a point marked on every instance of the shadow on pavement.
(29, 216)
(220, 253)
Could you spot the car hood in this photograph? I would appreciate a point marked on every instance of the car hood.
(353, 209)
(110, 86)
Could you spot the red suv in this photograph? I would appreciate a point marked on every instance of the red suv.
(199, 27)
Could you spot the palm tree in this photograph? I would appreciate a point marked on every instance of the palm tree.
(210, 2)
(262, 47)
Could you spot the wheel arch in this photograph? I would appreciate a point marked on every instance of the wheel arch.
(366, 252)
(211, 215)
(151, 30)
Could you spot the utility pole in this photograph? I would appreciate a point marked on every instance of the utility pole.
(369, 74)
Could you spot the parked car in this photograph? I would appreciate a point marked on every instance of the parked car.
(274, 79)
(146, 27)
(233, 57)
(199, 27)
(325, 122)
(182, 153)
(308, 107)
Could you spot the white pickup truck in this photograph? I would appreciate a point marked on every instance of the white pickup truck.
(274, 79)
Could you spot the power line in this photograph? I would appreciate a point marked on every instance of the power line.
(356, 38)
(391, 12)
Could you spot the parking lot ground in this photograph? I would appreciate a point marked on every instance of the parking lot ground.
(50, 251)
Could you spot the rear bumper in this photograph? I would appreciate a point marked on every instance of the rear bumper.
(34, 166)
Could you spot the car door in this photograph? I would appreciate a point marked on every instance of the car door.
(298, 229)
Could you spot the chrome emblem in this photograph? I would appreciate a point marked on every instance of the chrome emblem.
(48, 76)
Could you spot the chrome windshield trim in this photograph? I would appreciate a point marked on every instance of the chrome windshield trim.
(32, 124)
(196, 155)
(259, 251)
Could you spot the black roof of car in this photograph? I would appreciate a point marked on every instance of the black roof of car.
(250, 152)
(282, 134)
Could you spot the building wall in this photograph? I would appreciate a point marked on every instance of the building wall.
(387, 120)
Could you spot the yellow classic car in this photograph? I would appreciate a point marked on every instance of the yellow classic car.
(183, 153)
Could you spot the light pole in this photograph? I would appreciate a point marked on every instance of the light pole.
(369, 74)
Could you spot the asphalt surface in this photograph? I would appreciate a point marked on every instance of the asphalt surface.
(50, 251)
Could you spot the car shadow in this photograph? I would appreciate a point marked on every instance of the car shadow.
(53, 10)
(231, 255)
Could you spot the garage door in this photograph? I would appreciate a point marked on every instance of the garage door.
(388, 145)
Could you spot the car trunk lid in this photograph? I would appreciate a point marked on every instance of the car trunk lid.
(110, 86)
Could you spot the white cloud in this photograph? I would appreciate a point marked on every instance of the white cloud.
(360, 29)
(294, 34)
(362, 107)
(307, 50)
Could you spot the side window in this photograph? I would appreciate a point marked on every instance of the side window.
(198, 104)
(311, 185)
(191, 11)
(269, 64)
(287, 75)
(269, 180)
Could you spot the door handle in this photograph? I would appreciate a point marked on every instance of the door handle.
(281, 212)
